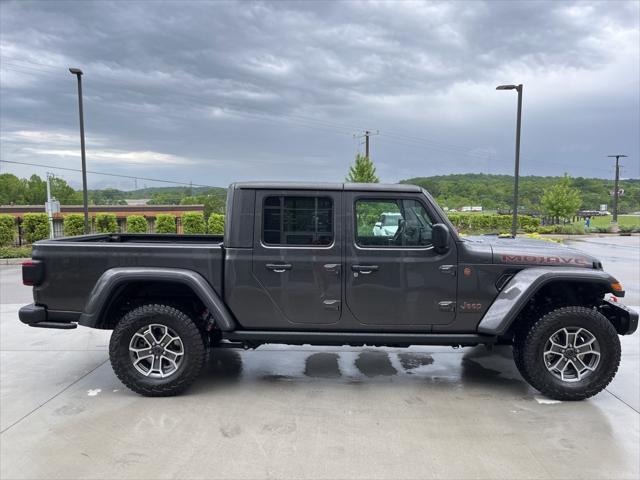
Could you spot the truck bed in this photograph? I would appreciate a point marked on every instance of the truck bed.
(75, 264)
(141, 238)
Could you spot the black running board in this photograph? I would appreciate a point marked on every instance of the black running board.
(59, 325)
(357, 338)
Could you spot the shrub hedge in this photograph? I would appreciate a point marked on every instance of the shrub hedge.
(165, 223)
(15, 252)
(7, 230)
(476, 222)
(215, 224)
(106, 223)
(193, 222)
(73, 224)
(35, 226)
(137, 224)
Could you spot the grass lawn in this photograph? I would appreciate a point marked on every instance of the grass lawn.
(623, 221)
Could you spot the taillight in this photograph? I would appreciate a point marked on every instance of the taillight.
(32, 272)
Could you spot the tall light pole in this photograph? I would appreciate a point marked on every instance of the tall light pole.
(615, 188)
(78, 73)
(514, 223)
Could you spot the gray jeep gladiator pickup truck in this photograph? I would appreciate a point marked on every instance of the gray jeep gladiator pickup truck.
(309, 264)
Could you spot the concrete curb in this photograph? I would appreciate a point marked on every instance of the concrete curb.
(13, 261)
(560, 236)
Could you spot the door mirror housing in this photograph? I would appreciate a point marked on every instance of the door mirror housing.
(378, 224)
(440, 237)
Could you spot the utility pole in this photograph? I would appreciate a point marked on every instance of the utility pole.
(49, 212)
(52, 206)
(616, 190)
(78, 73)
(366, 135)
(366, 143)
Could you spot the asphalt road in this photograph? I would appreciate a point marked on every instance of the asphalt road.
(280, 412)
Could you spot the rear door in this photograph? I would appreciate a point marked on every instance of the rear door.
(297, 254)
(393, 275)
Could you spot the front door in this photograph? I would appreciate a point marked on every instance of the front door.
(393, 275)
(297, 254)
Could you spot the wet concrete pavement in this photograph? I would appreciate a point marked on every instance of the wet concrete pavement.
(303, 412)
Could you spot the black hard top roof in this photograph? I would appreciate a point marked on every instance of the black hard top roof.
(367, 187)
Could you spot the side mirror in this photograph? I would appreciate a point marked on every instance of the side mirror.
(440, 237)
(378, 224)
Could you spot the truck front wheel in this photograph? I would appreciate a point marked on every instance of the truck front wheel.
(157, 350)
(571, 353)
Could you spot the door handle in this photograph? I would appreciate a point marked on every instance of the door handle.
(365, 269)
(332, 268)
(331, 304)
(278, 268)
(447, 269)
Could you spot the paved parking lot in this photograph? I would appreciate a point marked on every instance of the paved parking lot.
(279, 412)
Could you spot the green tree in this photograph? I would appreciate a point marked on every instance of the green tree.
(66, 195)
(215, 224)
(12, 190)
(165, 223)
(561, 200)
(362, 171)
(193, 222)
(73, 224)
(107, 196)
(137, 224)
(35, 191)
(35, 226)
(213, 202)
(106, 223)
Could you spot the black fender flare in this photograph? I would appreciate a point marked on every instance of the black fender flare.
(116, 277)
(524, 284)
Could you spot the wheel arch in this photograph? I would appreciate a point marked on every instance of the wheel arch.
(528, 287)
(117, 285)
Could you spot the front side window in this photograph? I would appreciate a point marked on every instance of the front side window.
(392, 223)
(300, 221)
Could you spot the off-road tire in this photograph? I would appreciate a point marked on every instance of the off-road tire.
(193, 339)
(529, 344)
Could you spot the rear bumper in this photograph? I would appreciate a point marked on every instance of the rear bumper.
(622, 317)
(38, 316)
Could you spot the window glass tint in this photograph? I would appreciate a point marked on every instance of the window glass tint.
(392, 223)
(297, 220)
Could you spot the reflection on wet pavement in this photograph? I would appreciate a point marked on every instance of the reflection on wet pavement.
(322, 365)
(409, 361)
(374, 364)
(272, 363)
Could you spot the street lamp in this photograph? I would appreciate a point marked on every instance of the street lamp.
(514, 224)
(615, 190)
(78, 73)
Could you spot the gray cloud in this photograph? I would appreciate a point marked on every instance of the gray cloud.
(212, 92)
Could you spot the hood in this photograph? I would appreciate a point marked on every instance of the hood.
(531, 251)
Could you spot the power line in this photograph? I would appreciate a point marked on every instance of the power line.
(108, 174)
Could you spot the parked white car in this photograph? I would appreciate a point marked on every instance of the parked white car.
(387, 226)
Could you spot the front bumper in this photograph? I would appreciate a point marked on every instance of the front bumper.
(622, 317)
(37, 316)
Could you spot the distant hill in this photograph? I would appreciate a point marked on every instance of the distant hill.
(496, 191)
(183, 191)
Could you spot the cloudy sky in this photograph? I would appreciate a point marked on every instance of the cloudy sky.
(213, 92)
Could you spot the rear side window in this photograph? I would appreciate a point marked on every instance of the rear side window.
(289, 220)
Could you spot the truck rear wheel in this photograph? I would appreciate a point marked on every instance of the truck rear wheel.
(157, 350)
(571, 353)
